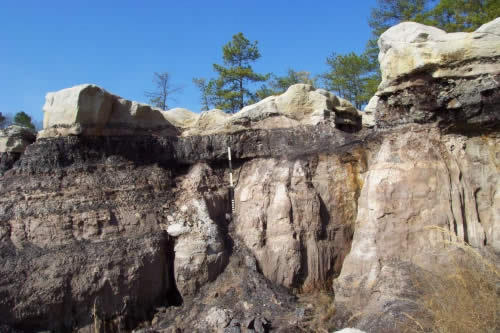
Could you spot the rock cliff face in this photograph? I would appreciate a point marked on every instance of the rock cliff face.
(432, 76)
(13, 141)
(434, 179)
(119, 215)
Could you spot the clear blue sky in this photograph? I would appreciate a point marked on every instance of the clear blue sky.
(50, 45)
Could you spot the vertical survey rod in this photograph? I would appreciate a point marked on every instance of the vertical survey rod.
(231, 186)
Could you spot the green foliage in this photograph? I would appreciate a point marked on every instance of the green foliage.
(463, 15)
(391, 12)
(279, 84)
(2, 120)
(352, 76)
(163, 90)
(23, 119)
(349, 76)
(231, 88)
(263, 92)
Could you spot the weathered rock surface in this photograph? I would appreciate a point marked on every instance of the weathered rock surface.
(89, 110)
(116, 214)
(300, 104)
(15, 139)
(106, 190)
(200, 253)
(92, 111)
(413, 47)
(433, 76)
(207, 122)
(427, 186)
(76, 287)
(418, 182)
(297, 216)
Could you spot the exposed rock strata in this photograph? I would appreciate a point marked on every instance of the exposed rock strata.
(419, 181)
(433, 76)
(13, 141)
(94, 190)
(427, 186)
(111, 225)
(88, 110)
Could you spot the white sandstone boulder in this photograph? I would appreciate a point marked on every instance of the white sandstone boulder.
(74, 110)
(410, 47)
(180, 117)
(92, 111)
(301, 104)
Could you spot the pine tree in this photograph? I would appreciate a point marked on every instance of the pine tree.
(232, 86)
(349, 77)
(463, 15)
(279, 84)
(2, 120)
(23, 119)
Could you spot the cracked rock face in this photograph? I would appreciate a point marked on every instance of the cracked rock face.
(413, 47)
(120, 214)
(420, 183)
(433, 180)
(297, 216)
(433, 76)
(15, 139)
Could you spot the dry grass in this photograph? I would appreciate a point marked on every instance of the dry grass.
(465, 298)
(322, 310)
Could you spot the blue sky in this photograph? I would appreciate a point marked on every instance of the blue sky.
(50, 45)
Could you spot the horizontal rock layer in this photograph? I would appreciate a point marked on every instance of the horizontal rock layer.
(92, 111)
(105, 228)
(101, 190)
(430, 76)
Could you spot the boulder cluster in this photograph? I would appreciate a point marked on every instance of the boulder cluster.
(91, 111)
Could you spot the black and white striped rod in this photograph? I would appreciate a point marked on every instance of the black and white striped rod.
(231, 187)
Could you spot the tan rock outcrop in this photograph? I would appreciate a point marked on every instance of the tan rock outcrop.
(208, 122)
(410, 47)
(429, 189)
(181, 118)
(430, 76)
(15, 139)
(74, 110)
(92, 111)
(420, 183)
(297, 216)
(200, 254)
(301, 104)
(89, 110)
